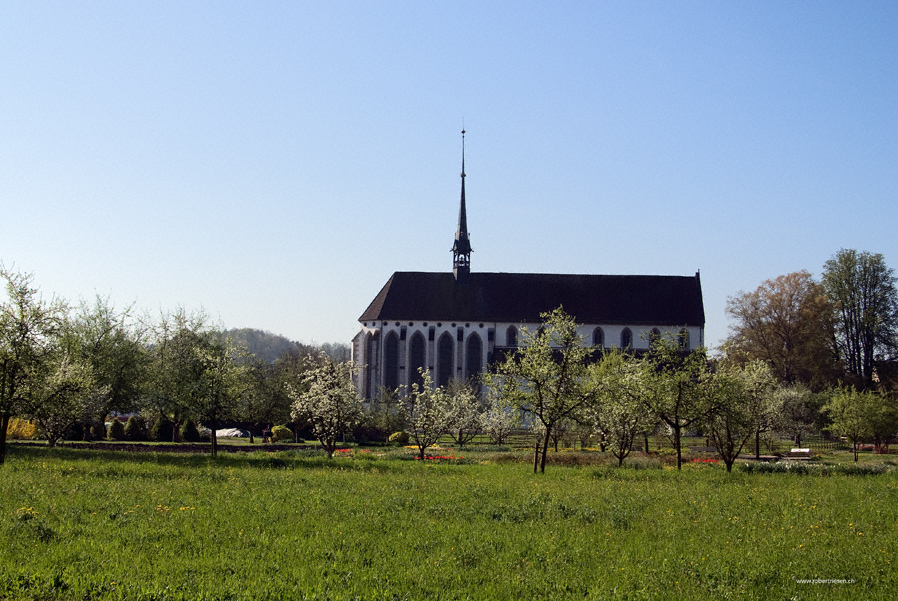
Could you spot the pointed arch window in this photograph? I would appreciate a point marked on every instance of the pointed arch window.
(511, 336)
(445, 359)
(683, 339)
(415, 358)
(473, 356)
(391, 361)
(370, 361)
(598, 338)
(626, 339)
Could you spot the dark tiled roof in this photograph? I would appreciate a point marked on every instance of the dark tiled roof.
(521, 297)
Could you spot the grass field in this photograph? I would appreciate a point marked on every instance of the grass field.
(78, 524)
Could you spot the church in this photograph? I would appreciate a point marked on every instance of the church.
(456, 323)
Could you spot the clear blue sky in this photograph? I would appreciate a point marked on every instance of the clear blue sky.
(276, 162)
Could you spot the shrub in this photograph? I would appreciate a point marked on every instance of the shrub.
(98, 430)
(281, 434)
(162, 431)
(116, 430)
(136, 428)
(19, 429)
(188, 432)
(399, 437)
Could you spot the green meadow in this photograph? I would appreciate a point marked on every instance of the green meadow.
(78, 524)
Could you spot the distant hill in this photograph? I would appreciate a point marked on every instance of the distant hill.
(269, 347)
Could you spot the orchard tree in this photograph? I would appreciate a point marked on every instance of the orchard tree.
(114, 351)
(28, 326)
(787, 323)
(466, 413)
(428, 412)
(220, 383)
(853, 415)
(619, 411)
(798, 410)
(498, 421)
(330, 402)
(547, 378)
(675, 388)
(176, 367)
(61, 391)
(742, 407)
(863, 291)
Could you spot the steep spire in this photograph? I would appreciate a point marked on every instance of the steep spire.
(461, 249)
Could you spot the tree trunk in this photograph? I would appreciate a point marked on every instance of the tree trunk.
(214, 437)
(758, 445)
(542, 465)
(679, 449)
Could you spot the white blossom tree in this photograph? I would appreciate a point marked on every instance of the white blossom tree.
(331, 403)
(466, 412)
(618, 412)
(428, 412)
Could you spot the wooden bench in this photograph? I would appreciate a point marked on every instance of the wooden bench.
(799, 454)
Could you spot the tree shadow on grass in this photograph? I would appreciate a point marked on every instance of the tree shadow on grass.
(288, 460)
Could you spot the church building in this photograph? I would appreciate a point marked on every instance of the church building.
(456, 323)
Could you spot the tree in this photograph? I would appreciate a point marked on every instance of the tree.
(546, 378)
(220, 383)
(331, 403)
(264, 399)
(498, 422)
(853, 415)
(619, 411)
(428, 412)
(61, 392)
(465, 420)
(28, 325)
(115, 354)
(786, 323)
(798, 410)
(175, 368)
(675, 390)
(865, 299)
(741, 396)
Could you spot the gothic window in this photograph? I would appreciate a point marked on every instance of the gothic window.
(683, 339)
(626, 339)
(415, 358)
(391, 361)
(370, 359)
(445, 359)
(511, 336)
(473, 356)
(598, 338)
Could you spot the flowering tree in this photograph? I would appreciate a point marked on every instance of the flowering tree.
(675, 390)
(547, 378)
(28, 325)
(466, 413)
(429, 412)
(742, 406)
(331, 403)
(854, 415)
(618, 412)
(498, 421)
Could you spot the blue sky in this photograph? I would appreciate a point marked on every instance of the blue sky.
(275, 162)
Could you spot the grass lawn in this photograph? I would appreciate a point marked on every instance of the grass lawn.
(77, 524)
